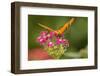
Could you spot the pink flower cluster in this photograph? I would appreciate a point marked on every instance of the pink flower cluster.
(51, 39)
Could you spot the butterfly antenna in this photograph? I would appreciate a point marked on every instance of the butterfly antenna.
(45, 27)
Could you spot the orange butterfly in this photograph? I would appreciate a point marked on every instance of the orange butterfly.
(60, 30)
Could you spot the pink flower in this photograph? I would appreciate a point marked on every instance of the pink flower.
(58, 41)
(41, 40)
(65, 42)
(51, 34)
(45, 38)
(38, 38)
(50, 44)
(43, 33)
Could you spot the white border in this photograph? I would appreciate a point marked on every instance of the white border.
(25, 64)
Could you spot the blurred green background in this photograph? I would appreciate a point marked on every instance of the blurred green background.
(77, 34)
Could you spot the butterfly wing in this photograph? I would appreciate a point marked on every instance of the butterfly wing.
(66, 26)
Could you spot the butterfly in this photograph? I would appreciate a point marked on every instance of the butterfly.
(61, 30)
